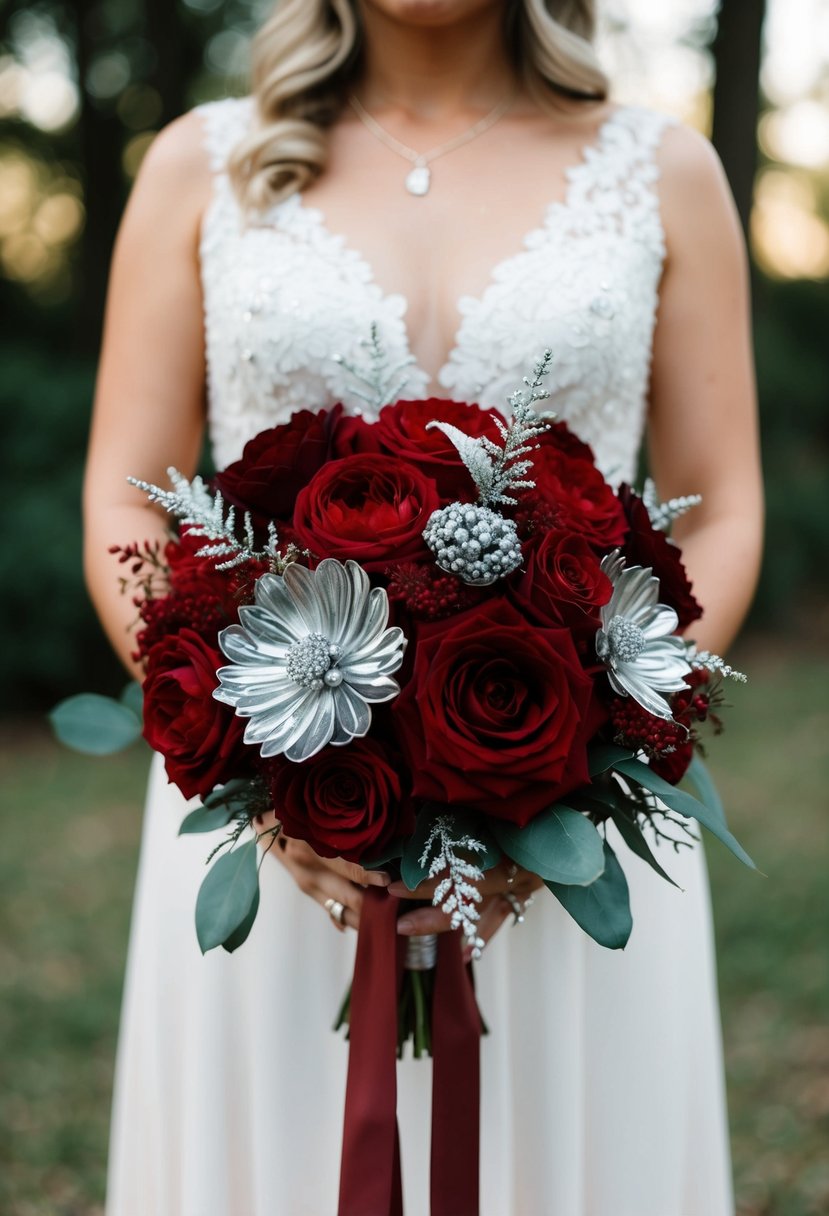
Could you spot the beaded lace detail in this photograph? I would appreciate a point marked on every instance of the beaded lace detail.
(283, 296)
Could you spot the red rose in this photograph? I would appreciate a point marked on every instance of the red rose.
(345, 801)
(497, 714)
(571, 495)
(402, 430)
(371, 508)
(353, 436)
(277, 463)
(564, 583)
(647, 546)
(559, 436)
(199, 738)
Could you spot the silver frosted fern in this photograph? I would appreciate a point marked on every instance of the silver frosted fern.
(309, 658)
(638, 639)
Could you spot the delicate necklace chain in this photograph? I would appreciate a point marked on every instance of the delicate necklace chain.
(419, 178)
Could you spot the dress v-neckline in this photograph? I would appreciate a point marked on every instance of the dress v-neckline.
(314, 216)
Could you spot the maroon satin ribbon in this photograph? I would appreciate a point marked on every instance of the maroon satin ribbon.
(370, 1180)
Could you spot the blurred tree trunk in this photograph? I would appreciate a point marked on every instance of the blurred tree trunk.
(736, 51)
(164, 31)
(100, 142)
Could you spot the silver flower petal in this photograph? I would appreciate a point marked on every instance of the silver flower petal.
(637, 640)
(660, 621)
(309, 658)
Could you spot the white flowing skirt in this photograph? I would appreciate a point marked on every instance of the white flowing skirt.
(602, 1081)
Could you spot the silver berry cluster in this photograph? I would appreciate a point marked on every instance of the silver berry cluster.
(474, 542)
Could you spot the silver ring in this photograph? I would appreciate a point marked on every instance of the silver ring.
(336, 911)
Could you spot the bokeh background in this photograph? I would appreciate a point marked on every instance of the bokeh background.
(84, 87)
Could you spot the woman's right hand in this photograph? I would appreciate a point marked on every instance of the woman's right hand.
(324, 878)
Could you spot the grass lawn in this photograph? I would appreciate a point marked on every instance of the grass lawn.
(70, 835)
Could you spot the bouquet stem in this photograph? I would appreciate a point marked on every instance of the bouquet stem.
(414, 1008)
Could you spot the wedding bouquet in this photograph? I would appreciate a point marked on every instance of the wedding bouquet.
(430, 641)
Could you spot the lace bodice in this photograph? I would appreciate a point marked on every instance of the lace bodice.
(285, 296)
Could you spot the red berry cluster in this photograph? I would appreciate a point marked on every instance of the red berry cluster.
(140, 554)
(634, 727)
(427, 592)
(698, 702)
(164, 616)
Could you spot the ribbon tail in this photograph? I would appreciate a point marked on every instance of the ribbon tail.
(370, 1177)
(456, 1035)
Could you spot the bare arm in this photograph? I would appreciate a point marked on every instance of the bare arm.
(703, 414)
(149, 411)
(149, 400)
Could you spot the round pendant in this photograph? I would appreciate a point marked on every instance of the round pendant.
(418, 180)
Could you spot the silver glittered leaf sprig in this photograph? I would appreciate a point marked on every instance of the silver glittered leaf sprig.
(500, 469)
(663, 514)
(704, 660)
(379, 382)
(474, 540)
(205, 514)
(457, 893)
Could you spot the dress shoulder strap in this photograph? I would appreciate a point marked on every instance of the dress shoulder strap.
(225, 122)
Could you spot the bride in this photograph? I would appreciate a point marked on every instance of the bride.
(452, 171)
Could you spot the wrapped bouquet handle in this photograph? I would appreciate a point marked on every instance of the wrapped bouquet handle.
(370, 1178)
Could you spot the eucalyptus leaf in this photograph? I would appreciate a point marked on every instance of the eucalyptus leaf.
(132, 696)
(604, 756)
(703, 783)
(602, 909)
(683, 804)
(411, 871)
(559, 845)
(233, 793)
(205, 819)
(634, 838)
(94, 725)
(392, 852)
(226, 896)
(240, 935)
(477, 827)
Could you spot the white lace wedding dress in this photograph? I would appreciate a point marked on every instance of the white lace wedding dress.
(602, 1075)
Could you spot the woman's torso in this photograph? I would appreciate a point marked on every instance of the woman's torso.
(287, 294)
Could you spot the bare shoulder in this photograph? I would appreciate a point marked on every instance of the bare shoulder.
(178, 156)
(695, 197)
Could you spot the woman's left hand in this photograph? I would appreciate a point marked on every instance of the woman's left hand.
(494, 908)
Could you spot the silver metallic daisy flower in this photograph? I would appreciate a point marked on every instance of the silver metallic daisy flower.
(638, 639)
(309, 658)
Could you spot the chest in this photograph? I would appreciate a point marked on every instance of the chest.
(290, 301)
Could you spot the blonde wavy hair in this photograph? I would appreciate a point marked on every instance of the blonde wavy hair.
(307, 57)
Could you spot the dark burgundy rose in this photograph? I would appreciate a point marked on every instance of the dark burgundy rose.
(353, 436)
(564, 583)
(647, 546)
(560, 437)
(277, 463)
(199, 738)
(498, 713)
(571, 495)
(345, 801)
(371, 508)
(403, 431)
